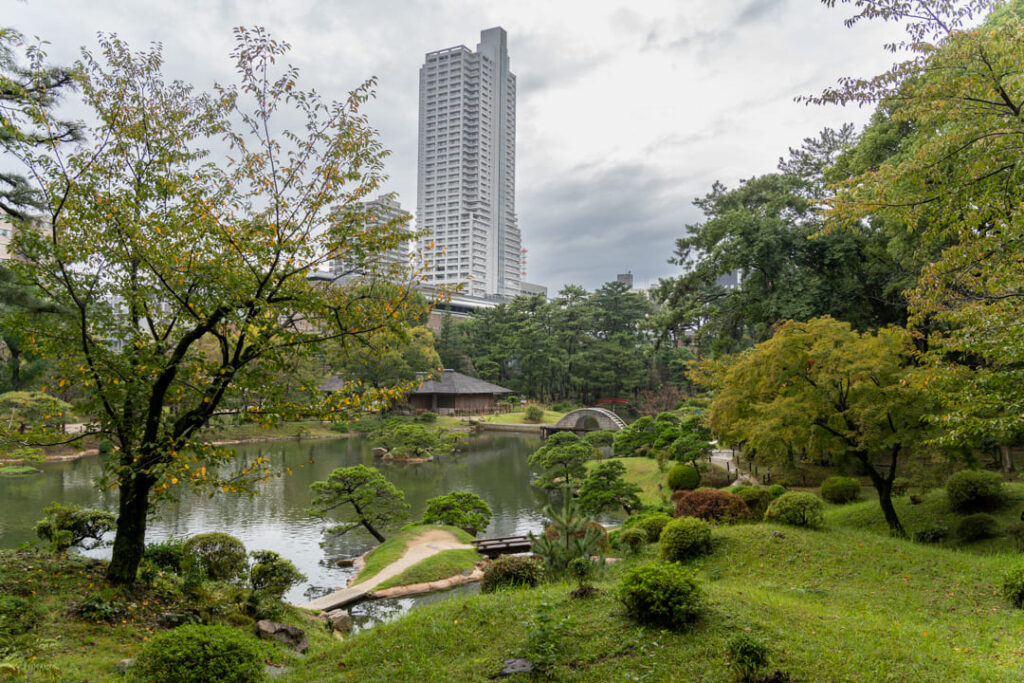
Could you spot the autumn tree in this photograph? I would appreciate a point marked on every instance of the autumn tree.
(181, 276)
(821, 391)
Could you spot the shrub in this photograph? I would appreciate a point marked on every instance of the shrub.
(1013, 587)
(272, 575)
(933, 534)
(683, 478)
(748, 655)
(1016, 534)
(214, 556)
(973, 490)
(900, 486)
(427, 416)
(68, 525)
(716, 477)
(602, 437)
(661, 594)
(653, 525)
(514, 571)
(797, 509)
(460, 509)
(18, 615)
(165, 554)
(533, 413)
(99, 607)
(553, 533)
(685, 538)
(840, 489)
(977, 527)
(198, 653)
(632, 540)
(776, 490)
(757, 500)
(709, 504)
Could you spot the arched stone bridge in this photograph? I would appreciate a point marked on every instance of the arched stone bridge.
(586, 420)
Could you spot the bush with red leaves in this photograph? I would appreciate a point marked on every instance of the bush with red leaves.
(712, 505)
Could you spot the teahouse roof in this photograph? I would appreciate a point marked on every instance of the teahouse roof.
(456, 383)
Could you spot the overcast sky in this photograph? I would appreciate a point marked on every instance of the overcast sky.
(627, 111)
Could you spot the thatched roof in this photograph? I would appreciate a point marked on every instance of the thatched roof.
(456, 383)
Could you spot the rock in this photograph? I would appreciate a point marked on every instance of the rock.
(338, 636)
(340, 620)
(380, 452)
(516, 666)
(345, 561)
(292, 636)
(123, 666)
(387, 457)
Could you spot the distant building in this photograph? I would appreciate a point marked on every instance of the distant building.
(6, 233)
(456, 393)
(466, 193)
(531, 289)
(625, 277)
(380, 211)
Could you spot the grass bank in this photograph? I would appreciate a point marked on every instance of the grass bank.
(644, 473)
(393, 548)
(519, 417)
(443, 565)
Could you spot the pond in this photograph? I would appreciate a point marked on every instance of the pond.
(494, 467)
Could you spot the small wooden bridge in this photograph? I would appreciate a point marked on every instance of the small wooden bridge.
(505, 545)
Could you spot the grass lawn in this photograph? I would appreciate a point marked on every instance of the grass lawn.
(394, 547)
(286, 430)
(644, 473)
(519, 417)
(445, 564)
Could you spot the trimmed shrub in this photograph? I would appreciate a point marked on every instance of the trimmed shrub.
(840, 489)
(632, 540)
(272, 575)
(757, 500)
(533, 413)
(514, 571)
(68, 525)
(653, 525)
(976, 527)
(214, 556)
(716, 477)
(683, 478)
(776, 490)
(602, 437)
(1013, 587)
(973, 490)
(661, 594)
(18, 615)
(748, 655)
(797, 509)
(603, 544)
(709, 504)
(199, 654)
(685, 538)
(165, 554)
(427, 416)
(933, 534)
(900, 486)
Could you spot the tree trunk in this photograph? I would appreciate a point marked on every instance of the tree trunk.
(369, 527)
(884, 487)
(1007, 460)
(130, 539)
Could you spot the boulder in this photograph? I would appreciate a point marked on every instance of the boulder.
(123, 666)
(387, 457)
(516, 666)
(345, 561)
(292, 636)
(340, 620)
(379, 452)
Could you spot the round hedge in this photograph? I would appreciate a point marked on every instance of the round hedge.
(653, 525)
(776, 490)
(214, 556)
(632, 540)
(683, 478)
(973, 490)
(757, 500)
(661, 594)
(516, 571)
(978, 526)
(711, 504)
(840, 489)
(797, 509)
(685, 538)
(198, 654)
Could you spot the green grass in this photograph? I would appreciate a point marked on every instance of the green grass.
(394, 547)
(17, 470)
(644, 473)
(284, 430)
(443, 565)
(519, 417)
(933, 510)
(841, 604)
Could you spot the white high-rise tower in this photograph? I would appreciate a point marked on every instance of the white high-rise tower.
(466, 204)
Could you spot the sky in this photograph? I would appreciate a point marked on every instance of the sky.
(626, 111)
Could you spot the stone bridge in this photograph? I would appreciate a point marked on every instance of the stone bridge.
(586, 420)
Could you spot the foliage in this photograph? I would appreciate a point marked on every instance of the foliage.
(166, 554)
(604, 488)
(569, 535)
(198, 653)
(900, 486)
(1013, 587)
(462, 509)
(661, 594)
(840, 489)
(514, 571)
(533, 413)
(635, 436)
(820, 390)
(797, 508)
(685, 538)
(972, 490)
(1016, 533)
(34, 411)
(214, 556)
(714, 505)
(976, 527)
(65, 526)
(652, 525)
(748, 656)
(600, 437)
(776, 490)
(198, 269)
(581, 570)
(757, 500)
(407, 439)
(375, 503)
(272, 575)
(932, 534)
(563, 457)
(545, 638)
(716, 477)
(18, 615)
(386, 358)
(632, 539)
(427, 416)
(99, 607)
(683, 478)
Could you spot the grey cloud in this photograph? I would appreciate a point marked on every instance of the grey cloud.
(758, 10)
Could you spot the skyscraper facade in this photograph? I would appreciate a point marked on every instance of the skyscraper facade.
(466, 203)
(391, 264)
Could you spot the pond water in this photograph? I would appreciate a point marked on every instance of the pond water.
(494, 467)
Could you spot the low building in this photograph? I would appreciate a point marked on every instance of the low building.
(456, 393)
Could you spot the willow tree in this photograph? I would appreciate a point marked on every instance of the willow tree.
(183, 271)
